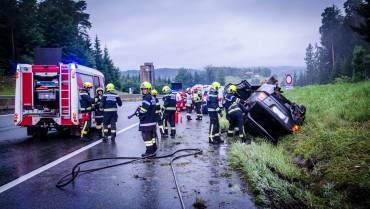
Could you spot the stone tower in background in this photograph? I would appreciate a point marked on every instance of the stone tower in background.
(147, 72)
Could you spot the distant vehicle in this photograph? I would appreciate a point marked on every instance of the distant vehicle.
(176, 86)
(269, 113)
(47, 96)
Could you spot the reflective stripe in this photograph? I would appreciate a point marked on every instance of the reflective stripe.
(170, 108)
(110, 109)
(230, 131)
(153, 140)
(146, 102)
(83, 109)
(106, 130)
(148, 124)
(211, 95)
(113, 131)
(157, 111)
(83, 93)
(233, 110)
(210, 133)
(211, 109)
(98, 126)
(148, 143)
(143, 109)
(241, 135)
(173, 128)
(99, 116)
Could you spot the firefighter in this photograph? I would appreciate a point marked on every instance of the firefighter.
(158, 109)
(213, 111)
(198, 104)
(86, 107)
(169, 104)
(234, 113)
(98, 113)
(108, 105)
(148, 119)
(189, 103)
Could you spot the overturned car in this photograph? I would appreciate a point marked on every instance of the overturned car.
(268, 112)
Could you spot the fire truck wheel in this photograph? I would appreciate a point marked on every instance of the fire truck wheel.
(37, 132)
(42, 132)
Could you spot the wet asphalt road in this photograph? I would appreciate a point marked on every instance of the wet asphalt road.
(139, 185)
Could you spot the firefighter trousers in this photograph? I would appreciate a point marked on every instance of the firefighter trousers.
(188, 111)
(109, 121)
(149, 134)
(236, 126)
(170, 118)
(198, 110)
(85, 128)
(99, 123)
(214, 128)
(163, 125)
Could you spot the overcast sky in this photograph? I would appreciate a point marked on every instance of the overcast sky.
(196, 33)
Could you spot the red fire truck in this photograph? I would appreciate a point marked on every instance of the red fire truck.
(47, 96)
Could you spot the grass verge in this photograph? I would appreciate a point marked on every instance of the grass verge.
(326, 164)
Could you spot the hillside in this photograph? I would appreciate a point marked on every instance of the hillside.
(159, 72)
(7, 85)
(325, 164)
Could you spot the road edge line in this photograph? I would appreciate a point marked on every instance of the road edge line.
(43, 168)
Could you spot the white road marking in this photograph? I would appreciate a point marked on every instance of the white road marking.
(6, 115)
(54, 163)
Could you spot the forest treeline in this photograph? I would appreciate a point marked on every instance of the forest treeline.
(343, 53)
(28, 24)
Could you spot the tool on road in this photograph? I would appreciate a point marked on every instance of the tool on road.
(136, 113)
(76, 170)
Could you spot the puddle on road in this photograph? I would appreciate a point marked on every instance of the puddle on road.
(206, 177)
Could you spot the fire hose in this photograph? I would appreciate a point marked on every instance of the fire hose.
(76, 170)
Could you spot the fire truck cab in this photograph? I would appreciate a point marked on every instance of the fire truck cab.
(47, 96)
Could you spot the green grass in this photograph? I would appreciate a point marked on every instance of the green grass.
(7, 85)
(335, 137)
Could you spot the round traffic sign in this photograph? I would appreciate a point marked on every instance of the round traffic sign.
(288, 79)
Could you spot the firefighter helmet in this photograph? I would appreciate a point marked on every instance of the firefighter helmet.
(216, 85)
(110, 87)
(154, 92)
(166, 89)
(146, 85)
(232, 89)
(99, 89)
(87, 85)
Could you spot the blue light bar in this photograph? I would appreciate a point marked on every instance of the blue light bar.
(73, 66)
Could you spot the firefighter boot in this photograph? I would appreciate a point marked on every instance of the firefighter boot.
(188, 117)
(173, 132)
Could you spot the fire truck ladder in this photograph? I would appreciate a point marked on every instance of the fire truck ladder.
(65, 92)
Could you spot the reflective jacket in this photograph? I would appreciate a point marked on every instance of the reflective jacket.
(212, 102)
(169, 101)
(97, 101)
(232, 104)
(147, 115)
(85, 100)
(158, 111)
(109, 102)
(189, 100)
(197, 97)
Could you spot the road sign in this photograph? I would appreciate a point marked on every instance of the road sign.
(288, 81)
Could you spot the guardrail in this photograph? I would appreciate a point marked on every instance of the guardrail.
(7, 102)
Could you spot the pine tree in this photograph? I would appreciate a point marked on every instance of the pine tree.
(358, 64)
(310, 64)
